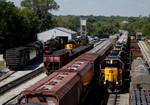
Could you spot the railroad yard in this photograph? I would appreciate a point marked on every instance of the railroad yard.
(104, 72)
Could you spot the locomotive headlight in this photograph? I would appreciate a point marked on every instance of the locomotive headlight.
(111, 61)
(104, 82)
(117, 83)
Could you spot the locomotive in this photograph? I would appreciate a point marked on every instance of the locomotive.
(52, 45)
(113, 66)
(132, 35)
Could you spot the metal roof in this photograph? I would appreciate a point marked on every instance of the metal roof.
(61, 29)
(65, 30)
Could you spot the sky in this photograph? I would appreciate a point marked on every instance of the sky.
(100, 7)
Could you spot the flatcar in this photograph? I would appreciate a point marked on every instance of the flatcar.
(112, 67)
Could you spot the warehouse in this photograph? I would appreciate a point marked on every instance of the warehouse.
(61, 32)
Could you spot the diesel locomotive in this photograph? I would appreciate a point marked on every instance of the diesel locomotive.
(113, 66)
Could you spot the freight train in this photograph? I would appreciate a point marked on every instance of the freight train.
(20, 56)
(60, 58)
(113, 66)
(70, 84)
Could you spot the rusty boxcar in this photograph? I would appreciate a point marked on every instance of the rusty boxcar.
(60, 88)
(61, 57)
(66, 86)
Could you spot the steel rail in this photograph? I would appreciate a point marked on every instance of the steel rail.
(19, 81)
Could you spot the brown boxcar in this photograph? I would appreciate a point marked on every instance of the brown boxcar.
(85, 71)
(60, 88)
(67, 86)
(94, 58)
(55, 60)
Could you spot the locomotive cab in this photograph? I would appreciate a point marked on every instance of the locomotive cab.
(71, 44)
(111, 73)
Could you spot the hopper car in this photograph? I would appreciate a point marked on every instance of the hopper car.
(20, 56)
(113, 66)
(61, 57)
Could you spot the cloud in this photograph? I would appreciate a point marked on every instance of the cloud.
(92, 3)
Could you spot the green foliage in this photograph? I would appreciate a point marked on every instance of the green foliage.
(18, 27)
(42, 8)
(2, 63)
(146, 29)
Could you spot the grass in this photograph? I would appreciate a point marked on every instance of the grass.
(2, 63)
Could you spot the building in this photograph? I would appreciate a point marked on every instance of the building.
(61, 32)
(124, 22)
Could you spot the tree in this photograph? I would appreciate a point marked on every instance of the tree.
(18, 27)
(41, 8)
(146, 30)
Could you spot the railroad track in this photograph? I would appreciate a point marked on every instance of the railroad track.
(10, 97)
(145, 51)
(113, 98)
(118, 98)
(18, 81)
